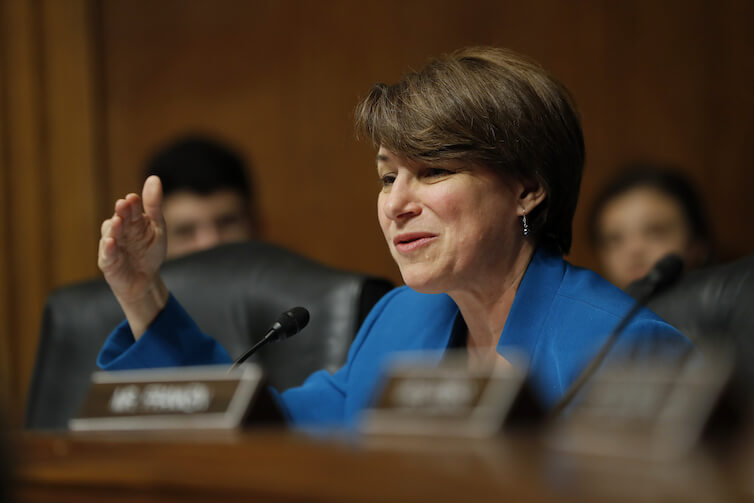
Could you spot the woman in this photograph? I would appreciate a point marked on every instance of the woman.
(646, 212)
(480, 157)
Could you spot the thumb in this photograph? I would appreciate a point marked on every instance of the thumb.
(151, 196)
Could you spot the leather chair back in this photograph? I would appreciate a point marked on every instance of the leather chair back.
(714, 306)
(234, 293)
(711, 304)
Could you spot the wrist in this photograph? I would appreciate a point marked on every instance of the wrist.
(142, 311)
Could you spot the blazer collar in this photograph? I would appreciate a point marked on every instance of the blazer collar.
(531, 306)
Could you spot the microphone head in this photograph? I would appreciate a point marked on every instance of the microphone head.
(291, 322)
(665, 272)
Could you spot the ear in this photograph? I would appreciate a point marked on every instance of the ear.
(530, 195)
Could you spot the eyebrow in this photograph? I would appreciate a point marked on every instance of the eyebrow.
(382, 158)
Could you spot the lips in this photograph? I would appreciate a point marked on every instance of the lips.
(411, 241)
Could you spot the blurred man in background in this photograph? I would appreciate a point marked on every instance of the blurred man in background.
(208, 194)
(643, 214)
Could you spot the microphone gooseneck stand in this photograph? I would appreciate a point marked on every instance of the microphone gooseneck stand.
(664, 273)
(289, 323)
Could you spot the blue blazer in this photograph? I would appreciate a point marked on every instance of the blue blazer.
(559, 319)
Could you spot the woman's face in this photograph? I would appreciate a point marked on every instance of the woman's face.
(449, 226)
(638, 228)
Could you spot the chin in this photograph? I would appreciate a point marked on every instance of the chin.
(422, 283)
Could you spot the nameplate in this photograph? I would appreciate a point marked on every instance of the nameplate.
(449, 398)
(171, 398)
(650, 409)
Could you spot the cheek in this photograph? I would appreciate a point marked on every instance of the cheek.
(615, 260)
(490, 221)
(381, 218)
(680, 238)
(448, 207)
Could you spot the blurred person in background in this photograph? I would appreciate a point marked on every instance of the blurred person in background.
(208, 194)
(643, 214)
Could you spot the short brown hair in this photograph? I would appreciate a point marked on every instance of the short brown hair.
(489, 106)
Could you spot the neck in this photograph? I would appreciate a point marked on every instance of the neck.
(485, 306)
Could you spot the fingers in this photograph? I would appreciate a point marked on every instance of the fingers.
(132, 207)
(152, 196)
(107, 255)
(129, 208)
(135, 234)
(112, 227)
(130, 213)
(111, 231)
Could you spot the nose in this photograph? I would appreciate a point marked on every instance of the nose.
(401, 201)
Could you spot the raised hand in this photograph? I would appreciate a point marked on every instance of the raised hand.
(131, 250)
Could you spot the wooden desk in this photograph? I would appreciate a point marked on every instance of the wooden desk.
(278, 466)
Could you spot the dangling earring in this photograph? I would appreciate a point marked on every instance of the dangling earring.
(525, 225)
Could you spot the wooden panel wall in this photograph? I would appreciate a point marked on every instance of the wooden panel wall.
(5, 350)
(90, 87)
(655, 80)
(50, 181)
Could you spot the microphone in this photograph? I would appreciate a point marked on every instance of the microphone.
(664, 273)
(289, 323)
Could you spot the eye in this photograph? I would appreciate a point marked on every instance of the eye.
(436, 172)
(183, 231)
(227, 221)
(387, 179)
(658, 231)
(611, 241)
